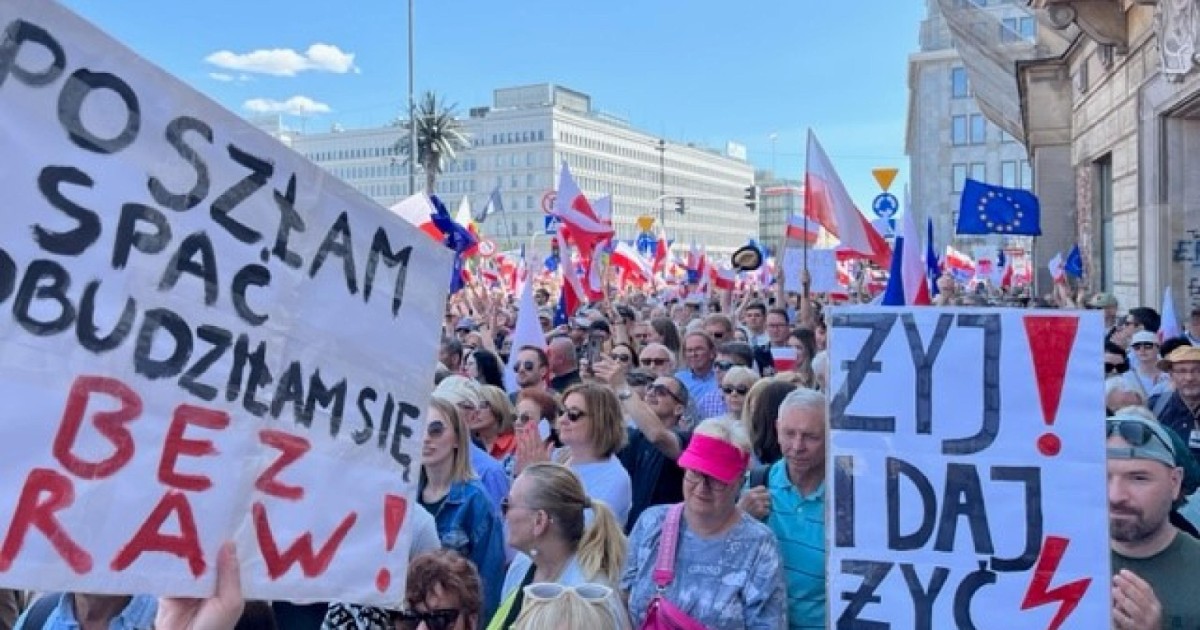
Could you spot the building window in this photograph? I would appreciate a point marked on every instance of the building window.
(1015, 29)
(978, 129)
(1007, 138)
(979, 171)
(1026, 175)
(958, 130)
(958, 175)
(1008, 174)
(959, 86)
(1102, 197)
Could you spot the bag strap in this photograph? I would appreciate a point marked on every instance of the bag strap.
(1160, 403)
(664, 566)
(758, 476)
(39, 611)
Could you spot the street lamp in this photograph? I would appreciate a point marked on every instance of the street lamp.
(412, 111)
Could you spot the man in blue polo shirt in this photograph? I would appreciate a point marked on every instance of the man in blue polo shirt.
(793, 505)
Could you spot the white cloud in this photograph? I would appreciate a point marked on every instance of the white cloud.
(285, 62)
(296, 106)
(225, 77)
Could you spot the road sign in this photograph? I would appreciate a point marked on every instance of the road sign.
(646, 243)
(551, 224)
(885, 205)
(487, 248)
(885, 176)
(548, 201)
(645, 222)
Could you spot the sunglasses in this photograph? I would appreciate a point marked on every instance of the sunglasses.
(1115, 368)
(525, 366)
(723, 365)
(740, 389)
(433, 619)
(1137, 434)
(572, 414)
(549, 591)
(524, 417)
(1142, 346)
(654, 361)
(623, 358)
(435, 429)
(657, 389)
(718, 335)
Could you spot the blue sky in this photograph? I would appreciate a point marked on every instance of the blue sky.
(703, 71)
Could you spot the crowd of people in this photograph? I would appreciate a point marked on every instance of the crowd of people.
(663, 462)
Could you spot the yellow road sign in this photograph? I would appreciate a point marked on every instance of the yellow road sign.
(644, 222)
(885, 176)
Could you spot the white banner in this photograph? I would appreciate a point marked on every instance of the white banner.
(204, 337)
(822, 269)
(967, 469)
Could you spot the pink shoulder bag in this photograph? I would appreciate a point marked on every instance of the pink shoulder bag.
(662, 614)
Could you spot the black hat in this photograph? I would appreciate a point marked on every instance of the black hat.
(747, 258)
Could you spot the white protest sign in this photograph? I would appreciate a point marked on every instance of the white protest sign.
(822, 269)
(204, 338)
(968, 491)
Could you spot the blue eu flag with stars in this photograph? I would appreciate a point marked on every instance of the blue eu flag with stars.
(988, 209)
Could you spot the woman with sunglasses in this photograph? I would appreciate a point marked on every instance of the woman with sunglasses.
(466, 521)
(547, 520)
(624, 353)
(554, 606)
(591, 427)
(492, 423)
(735, 386)
(534, 428)
(442, 592)
(1145, 374)
(726, 570)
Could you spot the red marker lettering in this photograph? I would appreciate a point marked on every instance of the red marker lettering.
(291, 448)
(108, 423)
(176, 445)
(45, 493)
(300, 551)
(149, 536)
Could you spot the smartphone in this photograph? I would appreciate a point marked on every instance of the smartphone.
(593, 353)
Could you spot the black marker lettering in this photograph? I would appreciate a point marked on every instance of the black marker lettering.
(188, 200)
(79, 85)
(880, 324)
(75, 241)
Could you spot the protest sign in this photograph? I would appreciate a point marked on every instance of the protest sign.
(822, 268)
(204, 338)
(966, 469)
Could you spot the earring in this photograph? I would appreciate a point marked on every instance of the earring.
(533, 552)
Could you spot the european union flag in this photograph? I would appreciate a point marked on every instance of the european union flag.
(988, 209)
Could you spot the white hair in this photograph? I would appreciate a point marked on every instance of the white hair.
(803, 398)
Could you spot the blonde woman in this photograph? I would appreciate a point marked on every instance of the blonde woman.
(591, 427)
(466, 520)
(735, 386)
(544, 514)
(554, 606)
(492, 424)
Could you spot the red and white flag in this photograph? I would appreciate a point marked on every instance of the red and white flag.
(418, 211)
(579, 220)
(662, 251)
(803, 229)
(723, 278)
(626, 258)
(827, 202)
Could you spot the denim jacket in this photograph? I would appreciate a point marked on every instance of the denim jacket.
(468, 523)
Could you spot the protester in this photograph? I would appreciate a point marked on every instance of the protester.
(1153, 564)
(624, 353)
(68, 611)
(735, 385)
(443, 590)
(664, 331)
(789, 496)
(754, 316)
(1108, 303)
(532, 367)
(699, 376)
(1120, 393)
(466, 520)
(484, 366)
(1145, 374)
(592, 430)
(778, 327)
(450, 354)
(534, 429)
(1192, 332)
(1175, 409)
(564, 364)
(658, 359)
(554, 606)
(1116, 362)
(492, 423)
(759, 412)
(803, 343)
(726, 570)
(545, 514)
(465, 394)
(820, 367)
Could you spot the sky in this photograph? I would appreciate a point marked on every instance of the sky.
(756, 72)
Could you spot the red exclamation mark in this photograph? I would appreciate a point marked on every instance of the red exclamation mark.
(394, 509)
(1051, 339)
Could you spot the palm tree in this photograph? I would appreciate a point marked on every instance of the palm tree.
(440, 136)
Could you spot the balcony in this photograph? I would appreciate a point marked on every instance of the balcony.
(1102, 20)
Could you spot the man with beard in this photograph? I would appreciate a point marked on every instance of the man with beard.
(1154, 565)
(792, 504)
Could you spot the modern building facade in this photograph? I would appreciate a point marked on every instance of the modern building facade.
(1113, 122)
(950, 135)
(518, 144)
(777, 200)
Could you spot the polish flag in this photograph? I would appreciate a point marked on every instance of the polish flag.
(723, 278)
(626, 258)
(418, 211)
(579, 221)
(906, 284)
(960, 265)
(661, 251)
(827, 202)
(801, 228)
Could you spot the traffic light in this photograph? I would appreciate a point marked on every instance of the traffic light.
(679, 205)
(751, 198)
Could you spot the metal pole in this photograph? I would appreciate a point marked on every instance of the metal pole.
(412, 112)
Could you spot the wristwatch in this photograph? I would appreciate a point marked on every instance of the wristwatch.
(625, 394)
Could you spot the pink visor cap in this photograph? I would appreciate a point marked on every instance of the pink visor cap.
(714, 457)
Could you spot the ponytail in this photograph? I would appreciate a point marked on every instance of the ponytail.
(603, 547)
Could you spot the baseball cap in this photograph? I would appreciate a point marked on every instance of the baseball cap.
(465, 323)
(1143, 336)
(1147, 439)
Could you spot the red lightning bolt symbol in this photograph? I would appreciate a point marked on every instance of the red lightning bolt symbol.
(1040, 593)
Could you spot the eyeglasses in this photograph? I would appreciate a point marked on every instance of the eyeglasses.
(623, 358)
(718, 335)
(442, 619)
(1143, 346)
(1115, 368)
(466, 406)
(572, 414)
(712, 483)
(1178, 371)
(723, 365)
(654, 361)
(435, 429)
(549, 591)
(740, 389)
(1137, 434)
(526, 366)
(658, 389)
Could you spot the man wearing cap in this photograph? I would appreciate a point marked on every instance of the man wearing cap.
(1154, 565)
(792, 503)
(1108, 303)
(464, 327)
(464, 393)
(1145, 374)
(1179, 409)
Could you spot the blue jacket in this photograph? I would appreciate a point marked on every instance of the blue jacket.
(468, 523)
